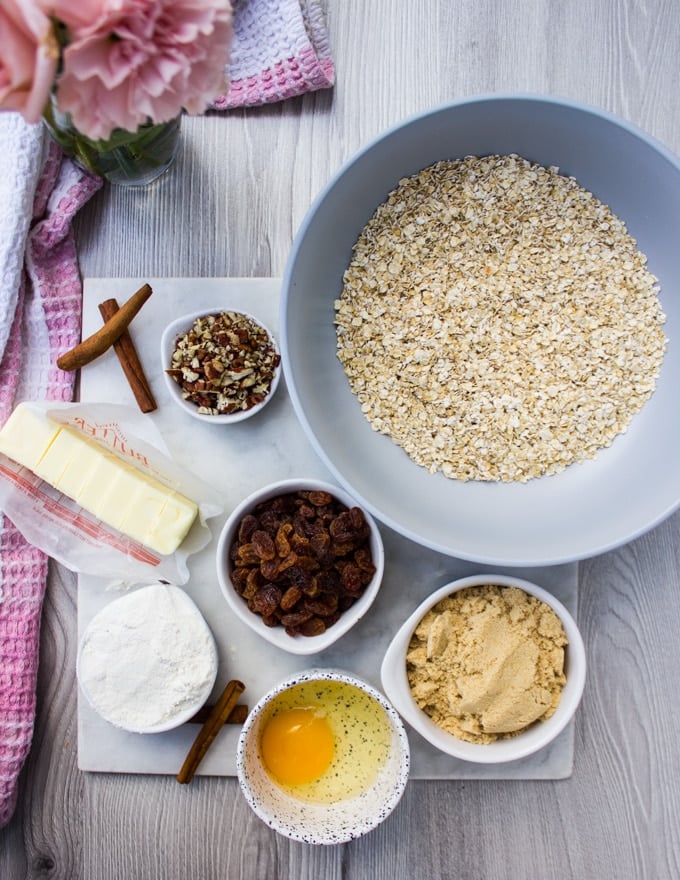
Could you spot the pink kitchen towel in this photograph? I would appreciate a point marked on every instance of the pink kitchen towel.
(40, 307)
(280, 50)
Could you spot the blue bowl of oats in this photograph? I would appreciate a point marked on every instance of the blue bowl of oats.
(477, 322)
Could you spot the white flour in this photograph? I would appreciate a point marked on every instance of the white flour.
(148, 660)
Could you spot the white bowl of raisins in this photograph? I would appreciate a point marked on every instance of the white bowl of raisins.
(220, 365)
(300, 563)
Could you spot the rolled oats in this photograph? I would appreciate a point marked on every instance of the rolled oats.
(497, 321)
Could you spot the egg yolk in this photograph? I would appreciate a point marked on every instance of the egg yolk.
(297, 746)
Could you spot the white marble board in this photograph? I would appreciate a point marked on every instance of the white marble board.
(238, 459)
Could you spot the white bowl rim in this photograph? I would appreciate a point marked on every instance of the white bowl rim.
(395, 683)
(183, 322)
(489, 558)
(325, 674)
(190, 711)
(301, 645)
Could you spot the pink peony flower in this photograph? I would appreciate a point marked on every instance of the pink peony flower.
(142, 60)
(28, 58)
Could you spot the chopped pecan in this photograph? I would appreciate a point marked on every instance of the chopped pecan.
(224, 363)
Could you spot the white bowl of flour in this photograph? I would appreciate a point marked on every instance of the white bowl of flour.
(147, 662)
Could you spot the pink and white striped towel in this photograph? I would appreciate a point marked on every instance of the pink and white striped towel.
(280, 50)
(40, 299)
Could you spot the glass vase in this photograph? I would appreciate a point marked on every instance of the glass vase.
(127, 158)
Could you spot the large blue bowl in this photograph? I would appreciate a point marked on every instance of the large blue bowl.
(590, 507)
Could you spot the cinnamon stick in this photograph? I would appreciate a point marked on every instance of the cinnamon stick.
(129, 360)
(96, 344)
(237, 715)
(210, 729)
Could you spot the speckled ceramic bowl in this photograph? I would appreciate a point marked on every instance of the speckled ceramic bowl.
(322, 823)
(536, 736)
(277, 635)
(168, 340)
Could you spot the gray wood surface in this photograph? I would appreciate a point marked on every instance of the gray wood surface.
(231, 207)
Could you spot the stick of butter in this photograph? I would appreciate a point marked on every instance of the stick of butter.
(116, 492)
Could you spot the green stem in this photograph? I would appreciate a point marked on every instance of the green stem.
(125, 157)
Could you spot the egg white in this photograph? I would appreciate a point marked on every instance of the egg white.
(361, 732)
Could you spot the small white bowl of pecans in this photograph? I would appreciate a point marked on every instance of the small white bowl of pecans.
(220, 365)
(300, 564)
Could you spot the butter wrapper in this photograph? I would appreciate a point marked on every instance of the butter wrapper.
(68, 533)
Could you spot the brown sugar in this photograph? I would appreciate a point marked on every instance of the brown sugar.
(486, 662)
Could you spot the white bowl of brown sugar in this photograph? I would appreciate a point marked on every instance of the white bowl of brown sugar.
(474, 322)
(488, 669)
